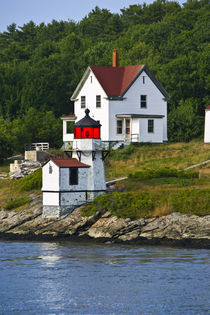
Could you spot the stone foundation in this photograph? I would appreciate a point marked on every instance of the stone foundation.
(56, 211)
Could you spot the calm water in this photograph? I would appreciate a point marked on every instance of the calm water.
(75, 278)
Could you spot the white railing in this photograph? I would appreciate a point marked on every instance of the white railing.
(40, 146)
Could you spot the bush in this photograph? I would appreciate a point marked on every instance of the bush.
(123, 205)
(163, 172)
(13, 204)
(192, 201)
(30, 182)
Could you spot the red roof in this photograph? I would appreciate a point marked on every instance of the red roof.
(116, 80)
(70, 162)
(208, 107)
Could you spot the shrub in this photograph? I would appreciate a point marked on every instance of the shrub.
(192, 201)
(123, 205)
(30, 182)
(163, 172)
(15, 203)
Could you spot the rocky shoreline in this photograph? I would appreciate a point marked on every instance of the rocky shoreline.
(171, 230)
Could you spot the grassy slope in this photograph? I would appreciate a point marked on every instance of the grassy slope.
(162, 192)
(176, 155)
(158, 195)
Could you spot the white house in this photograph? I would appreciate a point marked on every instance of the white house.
(70, 182)
(207, 125)
(129, 102)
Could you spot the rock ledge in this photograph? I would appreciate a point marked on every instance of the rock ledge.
(174, 230)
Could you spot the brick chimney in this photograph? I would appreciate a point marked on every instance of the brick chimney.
(115, 58)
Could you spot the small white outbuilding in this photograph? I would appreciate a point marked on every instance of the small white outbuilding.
(207, 125)
(64, 186)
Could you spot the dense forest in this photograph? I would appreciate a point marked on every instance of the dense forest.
(40, 66)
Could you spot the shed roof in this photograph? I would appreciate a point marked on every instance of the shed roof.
(70, 162)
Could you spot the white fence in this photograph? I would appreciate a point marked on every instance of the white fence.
(41, 146)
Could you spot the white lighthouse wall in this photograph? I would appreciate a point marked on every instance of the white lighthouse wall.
(96, 176)
(51, 198)
(50, 181)
(156, 105)
(207, 126)
(90, 89)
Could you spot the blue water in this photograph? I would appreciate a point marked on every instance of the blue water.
(79, 278)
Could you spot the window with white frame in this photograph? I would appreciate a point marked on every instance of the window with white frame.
(119, 126)
(98, 100)
(83, 101)
(150, 125)
(143, 101)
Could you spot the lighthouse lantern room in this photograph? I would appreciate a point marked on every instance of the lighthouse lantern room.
(87, 128)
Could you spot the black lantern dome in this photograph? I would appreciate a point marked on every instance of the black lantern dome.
(87, 128)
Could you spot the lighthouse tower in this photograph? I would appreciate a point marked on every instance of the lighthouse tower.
(87, 148)
(71, 182)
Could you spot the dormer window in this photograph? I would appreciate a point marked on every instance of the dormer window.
(143, 101)
(98, 100)
(83, 101)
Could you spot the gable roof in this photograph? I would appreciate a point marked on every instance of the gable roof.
(208, 107)
(70, 162)
(115, 81)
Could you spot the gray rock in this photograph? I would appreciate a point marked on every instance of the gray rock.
(104, 226)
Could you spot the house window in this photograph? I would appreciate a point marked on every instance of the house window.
(50, 169)
(144, 79)
(91, 79)
(73, 176)
(98, 100)
(119, 126)
(83, 101)
(150, 125)
(143, 101)
(127, 126)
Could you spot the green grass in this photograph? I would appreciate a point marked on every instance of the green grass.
(19, 189)
(123, 205)
(165, 172)
(175, 155)
(30, 182)
(146, 204)
(157, 184)
(16, 203)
